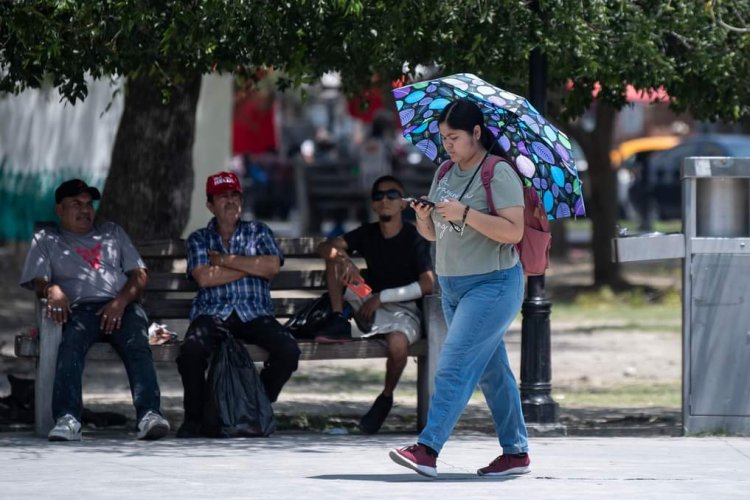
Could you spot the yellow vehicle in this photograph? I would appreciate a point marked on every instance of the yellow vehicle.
(624, 161)
(628, 149)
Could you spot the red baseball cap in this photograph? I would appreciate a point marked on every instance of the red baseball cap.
(221, 183)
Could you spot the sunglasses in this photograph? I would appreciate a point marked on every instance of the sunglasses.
(391, 194)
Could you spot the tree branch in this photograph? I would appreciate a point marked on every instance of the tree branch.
(720, 21)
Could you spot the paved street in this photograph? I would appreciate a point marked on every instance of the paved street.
(296, 466)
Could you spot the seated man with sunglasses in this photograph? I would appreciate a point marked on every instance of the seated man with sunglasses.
(399, 272)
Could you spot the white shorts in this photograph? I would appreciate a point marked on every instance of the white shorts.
(391, 317)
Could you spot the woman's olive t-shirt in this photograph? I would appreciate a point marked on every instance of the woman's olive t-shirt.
(469, 252)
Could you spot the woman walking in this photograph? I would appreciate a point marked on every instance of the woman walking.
(481, 282)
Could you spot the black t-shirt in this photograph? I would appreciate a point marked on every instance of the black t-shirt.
(391, 262)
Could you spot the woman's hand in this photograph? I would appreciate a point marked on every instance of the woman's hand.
(423, 210)
(451, 209)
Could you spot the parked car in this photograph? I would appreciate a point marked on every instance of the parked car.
(628, 159)
(626, 151)
(661, 189)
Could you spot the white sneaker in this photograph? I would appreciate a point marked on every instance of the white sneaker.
(67, 428)
(152, 426)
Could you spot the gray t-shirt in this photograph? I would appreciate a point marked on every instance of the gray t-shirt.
(88, 267)
(469, 252)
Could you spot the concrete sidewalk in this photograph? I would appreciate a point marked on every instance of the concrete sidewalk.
(302, 466)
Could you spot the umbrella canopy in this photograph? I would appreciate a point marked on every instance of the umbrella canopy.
(542, 153)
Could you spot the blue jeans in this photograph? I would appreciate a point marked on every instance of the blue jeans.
(131, 342)
(478, 310)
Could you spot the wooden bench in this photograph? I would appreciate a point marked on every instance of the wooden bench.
(333, 190)
(168, 297)
(329, 190)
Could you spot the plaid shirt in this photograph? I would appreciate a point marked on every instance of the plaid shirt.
(249, 296)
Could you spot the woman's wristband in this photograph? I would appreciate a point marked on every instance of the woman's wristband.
(466, 212)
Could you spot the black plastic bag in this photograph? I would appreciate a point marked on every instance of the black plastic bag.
(307, 321)
(237, 405)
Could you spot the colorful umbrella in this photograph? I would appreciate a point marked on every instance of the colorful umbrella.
(542, 153)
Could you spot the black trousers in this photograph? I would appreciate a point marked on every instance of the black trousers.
(204, 334)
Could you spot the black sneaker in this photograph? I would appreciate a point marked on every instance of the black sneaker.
(374, 418)
(364, 325)
(336, 329)
(190, 429)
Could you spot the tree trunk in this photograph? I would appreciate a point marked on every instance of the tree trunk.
(602, 202)
(150, 181)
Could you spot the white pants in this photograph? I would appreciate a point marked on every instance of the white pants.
(391, 317)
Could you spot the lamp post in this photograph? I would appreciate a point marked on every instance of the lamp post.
(536, 374)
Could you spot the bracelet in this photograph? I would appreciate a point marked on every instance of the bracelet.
(466, 212)
(45, 291)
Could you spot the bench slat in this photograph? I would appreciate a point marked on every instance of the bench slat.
(172, 308)
(313, 279)
(174, 248)
(28, 347)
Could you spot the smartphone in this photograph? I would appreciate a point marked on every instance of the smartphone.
(359, 287)
(421, 201)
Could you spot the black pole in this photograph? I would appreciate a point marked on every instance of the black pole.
(536, 374)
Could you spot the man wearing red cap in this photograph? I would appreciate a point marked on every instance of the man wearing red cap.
(233, 262)
(92, 275)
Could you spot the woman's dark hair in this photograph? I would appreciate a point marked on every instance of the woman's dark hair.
(463, 114)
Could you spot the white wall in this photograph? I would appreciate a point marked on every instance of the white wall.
(212, 149)
(47, 139)
(41, 134)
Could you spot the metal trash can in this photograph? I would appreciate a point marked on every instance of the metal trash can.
(722, 207)
(715, 245)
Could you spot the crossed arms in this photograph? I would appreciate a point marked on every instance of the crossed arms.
(224, 268)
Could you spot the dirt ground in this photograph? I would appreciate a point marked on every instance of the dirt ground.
(587, 355)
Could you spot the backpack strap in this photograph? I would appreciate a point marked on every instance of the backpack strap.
(488, 170)
(444, 167)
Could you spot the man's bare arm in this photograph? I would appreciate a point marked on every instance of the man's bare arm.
(58, 305)
(137, 280)
(335, 252)
(262, 266)
(427, 282)
(41, 287)
(331, 249)
(112, 312)
(209, 276)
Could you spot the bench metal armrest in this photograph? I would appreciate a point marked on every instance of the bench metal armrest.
(50, 335)
(435, 331)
